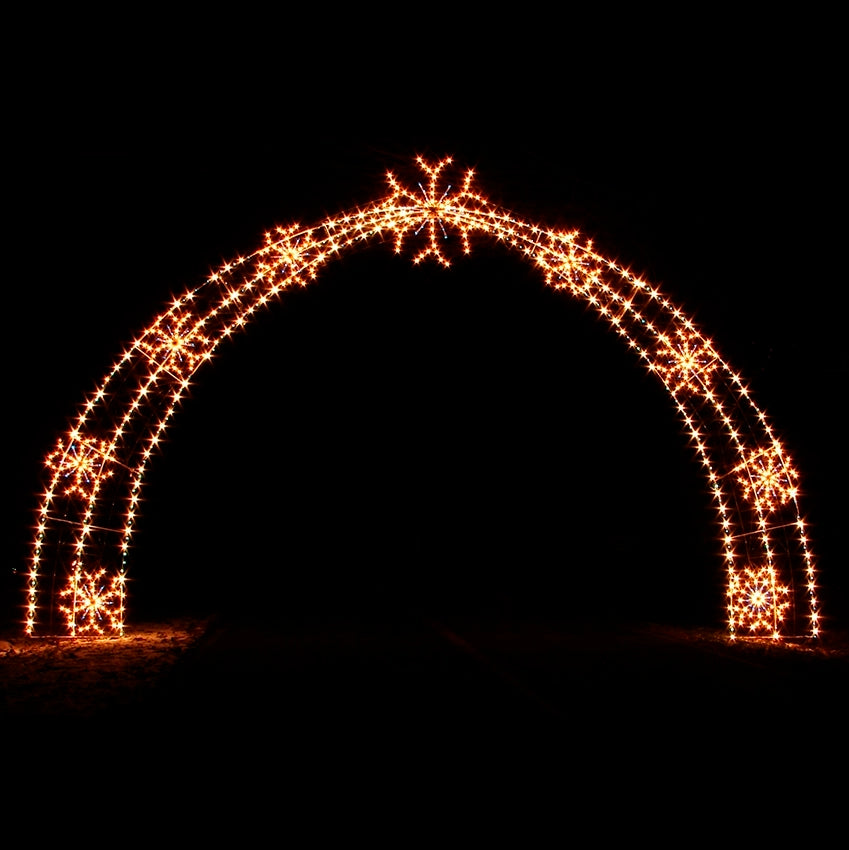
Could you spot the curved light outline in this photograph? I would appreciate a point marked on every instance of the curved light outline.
(89, 509)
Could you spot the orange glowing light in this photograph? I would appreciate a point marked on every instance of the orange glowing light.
(97, 469)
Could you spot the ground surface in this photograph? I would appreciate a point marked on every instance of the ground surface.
(84, 677)
(394, 673)
(242, 726)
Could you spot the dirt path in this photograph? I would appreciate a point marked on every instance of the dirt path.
(84, 677)
(411, 672)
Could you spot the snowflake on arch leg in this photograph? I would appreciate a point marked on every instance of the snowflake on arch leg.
(96, 604)
(565, 266)
(432, 209)
(767, 478)
(687, 362)
(758, 602)
(80, 464)
(290, 252)
(174, 344)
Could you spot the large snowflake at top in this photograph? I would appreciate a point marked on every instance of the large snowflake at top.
(434, 209)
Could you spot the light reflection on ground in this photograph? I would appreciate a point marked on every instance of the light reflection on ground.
(84, 676)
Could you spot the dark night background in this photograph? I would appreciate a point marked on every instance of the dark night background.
(408, 436)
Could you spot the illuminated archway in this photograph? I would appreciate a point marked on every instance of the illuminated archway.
(95, 472)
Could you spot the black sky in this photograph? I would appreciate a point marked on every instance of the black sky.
(444, 433)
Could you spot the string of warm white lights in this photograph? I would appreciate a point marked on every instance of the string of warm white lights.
(90, 506)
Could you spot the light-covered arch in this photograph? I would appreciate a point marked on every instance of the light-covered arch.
(90, 507)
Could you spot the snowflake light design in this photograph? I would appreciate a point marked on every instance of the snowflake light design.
(686, 362)
(80, 464)
(758, 603)
(433, 209)
(175, 345)
(95, 603)
(767, 479)
(562, 260)
(290, 251)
